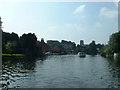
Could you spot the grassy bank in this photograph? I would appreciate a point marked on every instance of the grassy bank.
(12, 54)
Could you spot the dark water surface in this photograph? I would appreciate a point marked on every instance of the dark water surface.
(65, 71)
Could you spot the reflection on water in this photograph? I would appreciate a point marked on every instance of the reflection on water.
(16, 68)
(65, 71)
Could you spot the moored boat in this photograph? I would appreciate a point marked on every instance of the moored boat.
(82, 54)
(48, 53)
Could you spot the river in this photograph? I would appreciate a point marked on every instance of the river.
(61, 71)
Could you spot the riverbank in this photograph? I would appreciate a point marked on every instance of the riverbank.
(13, 55)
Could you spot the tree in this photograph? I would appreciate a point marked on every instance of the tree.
(106, 51)
(114, 42)
(9, 42)
(9, 47)
(28, 44)
(92, 48)
(113, 45)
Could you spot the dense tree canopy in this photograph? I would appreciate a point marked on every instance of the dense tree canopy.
(26, 44)
(114, 42)
(9, 42)
(92, 48)
(28, 40)
(113, 45)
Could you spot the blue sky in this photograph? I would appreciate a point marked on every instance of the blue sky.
(61, 20)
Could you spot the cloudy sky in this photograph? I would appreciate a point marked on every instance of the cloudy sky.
(61, 20)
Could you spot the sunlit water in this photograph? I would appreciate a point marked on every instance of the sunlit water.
(61, 71)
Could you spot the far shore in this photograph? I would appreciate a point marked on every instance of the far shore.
(12, 54)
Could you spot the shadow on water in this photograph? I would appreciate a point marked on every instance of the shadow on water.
(24, 62)
(15, 68)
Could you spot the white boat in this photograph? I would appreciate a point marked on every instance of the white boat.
(48, 53)
(81, 54)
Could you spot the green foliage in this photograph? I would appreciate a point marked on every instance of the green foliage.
(9, 42)
(29, 45)
(114, 42)
(92, 48)
(26, 44)
(9, 37)
(9, 47)
(113, 45)
(77, 48)
(106, 50)
(28, 40)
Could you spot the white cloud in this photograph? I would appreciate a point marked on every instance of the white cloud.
(98, 24)
(74, 25)
(79, 9)
(108, 13)
(52, 28)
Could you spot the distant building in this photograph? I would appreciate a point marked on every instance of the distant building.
(54, 45)
(42, 40)
(61, 47)
(68, 45)
(42, 45)
(81, 43)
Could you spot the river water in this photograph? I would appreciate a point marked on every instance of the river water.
(61, 71)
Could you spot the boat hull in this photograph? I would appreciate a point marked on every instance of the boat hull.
(82, 54)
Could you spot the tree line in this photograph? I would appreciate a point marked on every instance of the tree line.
(28, 45)
(91, 49)
(25, 44)
(113, 46)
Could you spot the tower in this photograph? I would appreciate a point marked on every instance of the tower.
(42, 40)
(81, 42)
